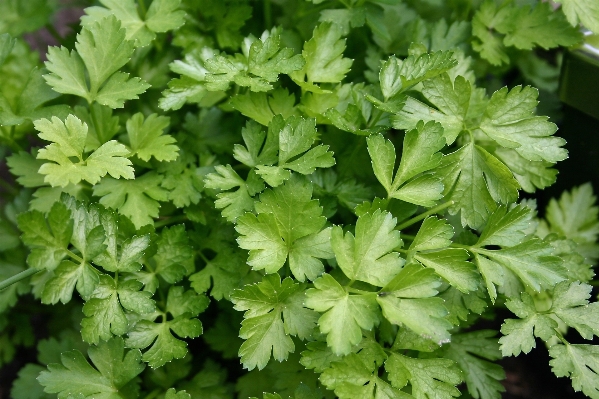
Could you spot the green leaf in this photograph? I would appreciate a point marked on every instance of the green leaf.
(422, 190)
(288, 225)
(262, 327)
(476, 181)
(433, 234)
(518, 334)
(172, 394)
(526, 27)
(101, 51)
(532, 261)
(523, 27)
(48, 238)
(183, 306)
(26, 385)
(344, 315)
(258, 67)
(68, 141)
(409, 300)
(452, 264)
(368, 255)
(224, 273)
(233, 203)
(174, 256)
(571, 305)
(26, 166)
(585, 11)
(452, 100)
(262, 107)
(121, 254)
(430, 378)
(162, 16)
(397, 76)
(353, 377)
(146, 138)
(102, 125)
(474, 352)
(136, 199)
(323, 54)
(579, 362)
(506, 228)
(511, 122)
(112, 377)
(66, 277)
(104, 312)
(6, 45)
(294, 138)
(574, 216)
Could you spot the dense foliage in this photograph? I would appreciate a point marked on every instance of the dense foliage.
(328, 194)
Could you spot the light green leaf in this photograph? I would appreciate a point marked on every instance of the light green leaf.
(408, 300)
(518, 334)
(48, 237)
(474, 352)
(397, 76)
(344, 315)
(104, 312)
(452, 264)
(112, 377)
(433, 234)
(419, 154)
(532, 261)
(68, 141)
(430, 378)
(288, 224)
(579, 362)
(262, 327)
(101, 51)
(368, 255)
(452, 100)
(574, 216)
(233, 203)
(184, 306)
(147, 140)
(584, 11)
(476, 181)
(137, 199)
(506, 228)
(323, 54)
(509, 120)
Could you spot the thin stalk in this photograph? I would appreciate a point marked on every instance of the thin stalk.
(170, 220)
(268, 14)
(54, 33)
(142, 9)
(357, 291)
(8, 187)
(17, 277)
(424, 215)
(75, 256)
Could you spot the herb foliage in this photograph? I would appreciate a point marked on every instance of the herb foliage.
(329, 193)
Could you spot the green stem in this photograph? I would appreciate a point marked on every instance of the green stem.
(153, 394)
(17, 277)
(75, 256)
(52, 30)
(456, 245)
(424, 215)
(170, 220)
(203, 257)
(357, 291)
(142, 9)
(9, 188)
(268, 14)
